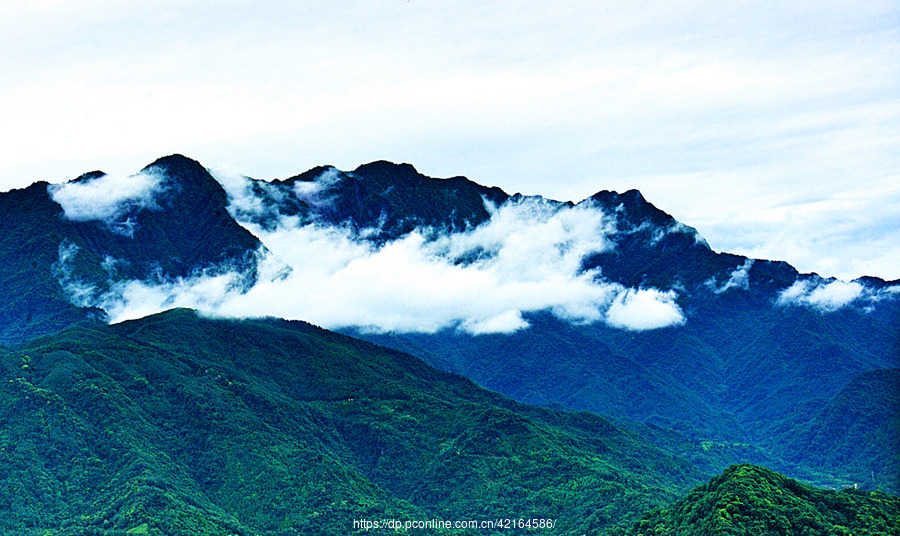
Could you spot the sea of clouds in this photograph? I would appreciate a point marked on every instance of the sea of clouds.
(528, 257)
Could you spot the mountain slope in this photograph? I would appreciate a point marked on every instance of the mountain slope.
(200, 426)
(609, 305)
(857, 429)
(31, 232)
(63, 244)
(733, 376)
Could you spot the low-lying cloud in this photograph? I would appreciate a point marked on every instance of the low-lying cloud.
(823, 295)
(831, 295)
(80, 293)
(311, 192)
(107, 198)
(738, 279)
(643, 309)
(528, 257)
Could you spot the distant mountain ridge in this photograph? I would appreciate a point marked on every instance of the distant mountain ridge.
(622, 311)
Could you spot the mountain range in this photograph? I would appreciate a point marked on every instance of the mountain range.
(532, 358)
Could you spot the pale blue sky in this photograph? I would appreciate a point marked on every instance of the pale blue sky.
(773, 128)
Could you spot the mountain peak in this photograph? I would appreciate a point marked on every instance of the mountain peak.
(307, 176)
(168, 221)
(88, 177)
(392, 198)
(632, 205)
(384, 169)
(190, 179)
(175, 163)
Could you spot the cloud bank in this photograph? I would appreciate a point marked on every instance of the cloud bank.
(528, 257)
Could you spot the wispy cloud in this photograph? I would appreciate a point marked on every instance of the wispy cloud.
(311, 192)
(738, 279)
(79, 292)
(528, 257)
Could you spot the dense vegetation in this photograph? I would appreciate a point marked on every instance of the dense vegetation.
(753, 378)
(182, 425)
(858, 429)
(754, 501)
(176, 424)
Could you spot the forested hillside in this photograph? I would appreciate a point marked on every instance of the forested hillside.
(182, 425)
(754, 501)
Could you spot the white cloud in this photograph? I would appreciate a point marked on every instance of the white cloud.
(644, 309)
(124, 300)
(526, 258)
(108, 198)
(128, 300)
(242, 201)
(508, 322)
(823, 295)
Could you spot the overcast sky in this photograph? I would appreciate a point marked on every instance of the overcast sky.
(771, 127)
